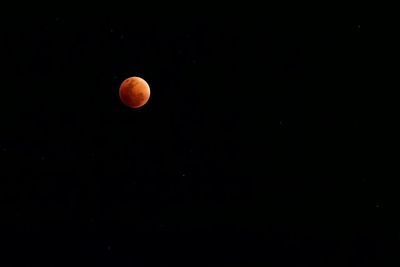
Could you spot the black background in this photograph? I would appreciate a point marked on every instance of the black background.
(248, 152)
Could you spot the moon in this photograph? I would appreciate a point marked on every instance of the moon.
(134, 92)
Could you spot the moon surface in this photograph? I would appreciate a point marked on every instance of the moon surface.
(134, 92)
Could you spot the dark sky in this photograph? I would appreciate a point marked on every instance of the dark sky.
(248, 152)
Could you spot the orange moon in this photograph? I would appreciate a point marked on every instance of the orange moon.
(134, 92)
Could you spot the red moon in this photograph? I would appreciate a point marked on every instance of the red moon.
(134, 92)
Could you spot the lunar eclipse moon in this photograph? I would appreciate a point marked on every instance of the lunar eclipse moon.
(134, 92)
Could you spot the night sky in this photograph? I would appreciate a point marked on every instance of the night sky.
(248, 152)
